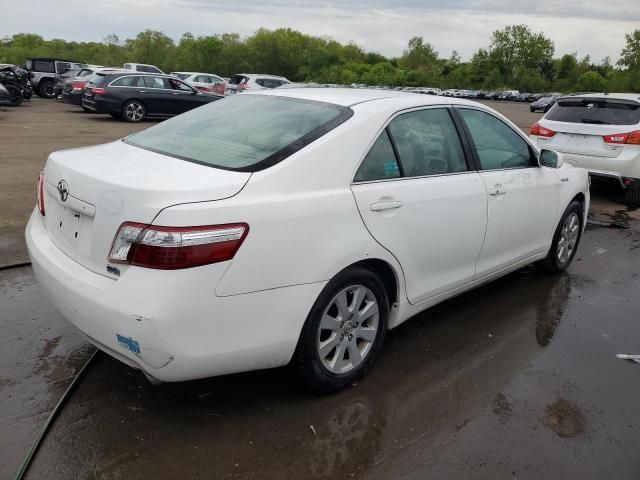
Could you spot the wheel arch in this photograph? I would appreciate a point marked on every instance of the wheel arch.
(387, 275)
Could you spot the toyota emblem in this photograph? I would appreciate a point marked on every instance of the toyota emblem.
(63, 190)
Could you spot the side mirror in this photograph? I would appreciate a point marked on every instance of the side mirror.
(551, 159)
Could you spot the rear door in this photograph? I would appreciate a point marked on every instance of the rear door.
(157, 95)
(522, 196)
(421, 201)
(585, 129)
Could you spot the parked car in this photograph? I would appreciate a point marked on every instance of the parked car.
(532, 97)
(522, 97)
(599, 132)
(280, 227)
(492, 95)
(74, 87)
(141, 67)
(543, 104)
(45, 71)
(249, 81)
(5, 96)
(134, 97)
(205, 82)
(62, 80)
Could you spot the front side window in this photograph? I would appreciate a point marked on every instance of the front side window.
(427, 143)
(178, 85)
(380, 163)
(498, 146)
(244, 132)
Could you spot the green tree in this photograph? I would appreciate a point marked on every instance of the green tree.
(592, 82)
(418, 54)
(630, 55)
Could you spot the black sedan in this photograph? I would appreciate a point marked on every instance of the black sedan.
(543, 104)
(134, 97)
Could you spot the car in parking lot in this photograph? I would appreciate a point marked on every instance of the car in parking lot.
(134, 97)
(205, 82)
(249, 81)
(43, 73)
(543, 103)
(141, 67)
(293, 226)
(73, 88)
(599, 132)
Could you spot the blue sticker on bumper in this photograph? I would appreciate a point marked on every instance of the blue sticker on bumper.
(128, 343)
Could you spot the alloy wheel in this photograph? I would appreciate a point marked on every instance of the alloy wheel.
(568, 238)
(348, 329)
(134, 112)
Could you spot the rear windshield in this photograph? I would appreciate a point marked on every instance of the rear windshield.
(96, 78)
(244, 133)
(595, 111)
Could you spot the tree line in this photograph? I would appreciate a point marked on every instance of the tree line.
(515, 58)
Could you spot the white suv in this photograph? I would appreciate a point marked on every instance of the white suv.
(599, 132)
(249, 81)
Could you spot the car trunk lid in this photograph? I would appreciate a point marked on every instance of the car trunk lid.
(90, 192)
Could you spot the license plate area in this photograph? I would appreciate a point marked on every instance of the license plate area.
(70, 229)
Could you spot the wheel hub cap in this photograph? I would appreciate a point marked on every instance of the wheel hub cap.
(568, 238)
(348, 329)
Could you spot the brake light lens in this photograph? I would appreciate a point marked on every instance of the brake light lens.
(541, 131)
(40, 193)
(99, 91)
(630, 138)
(78, 85)
(171, 248)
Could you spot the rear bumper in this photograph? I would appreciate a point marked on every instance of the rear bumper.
(184, 331)
(72, 99)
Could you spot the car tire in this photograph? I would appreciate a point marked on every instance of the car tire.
(46, 89)
(565, 239)
(632, 197)
(133, 111)
(532, 109)
(333, 351)
(15, 95)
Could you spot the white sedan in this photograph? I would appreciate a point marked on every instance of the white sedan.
(293, 226)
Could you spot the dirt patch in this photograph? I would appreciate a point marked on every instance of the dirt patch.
(564, 418)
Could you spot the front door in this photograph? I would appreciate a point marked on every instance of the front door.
(421, 201)
(522, 196)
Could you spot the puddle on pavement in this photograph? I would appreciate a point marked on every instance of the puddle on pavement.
(564, 418)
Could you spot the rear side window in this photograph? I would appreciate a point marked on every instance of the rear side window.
(156, 82)
(427, 143)
(44, 66)
(498, 146)
(380, 162)
(128, 82)
(595, 111)
(244, 132)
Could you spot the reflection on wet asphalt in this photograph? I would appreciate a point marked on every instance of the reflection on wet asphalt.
(40, 354)
(517, 379)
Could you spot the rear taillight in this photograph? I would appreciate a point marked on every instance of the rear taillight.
(630, 138)
(541, 131)
(78, 85)
(99, 91)
(170, 248)
(243, 86)
(40, 193)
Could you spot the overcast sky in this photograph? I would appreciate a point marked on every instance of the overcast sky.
(594, 27)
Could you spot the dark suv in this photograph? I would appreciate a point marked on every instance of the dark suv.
(136, 96)
(44, 73)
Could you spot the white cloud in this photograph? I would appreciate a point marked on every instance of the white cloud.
(595, 28)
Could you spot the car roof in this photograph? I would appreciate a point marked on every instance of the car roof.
(348, 97)
(264, 75)
(197, 73)
(615, 96)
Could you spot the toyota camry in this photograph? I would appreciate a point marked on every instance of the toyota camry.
(293, 227)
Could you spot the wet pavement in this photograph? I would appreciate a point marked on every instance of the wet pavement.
(517, 379)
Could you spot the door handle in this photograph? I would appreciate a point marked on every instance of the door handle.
(564, 179)
(497, 190)
(380, 206)
(143, 91)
